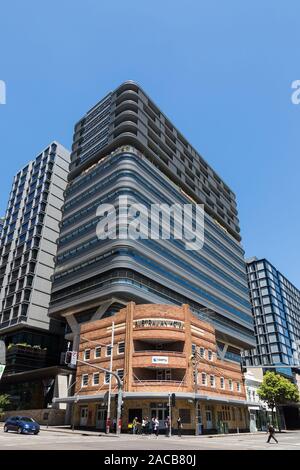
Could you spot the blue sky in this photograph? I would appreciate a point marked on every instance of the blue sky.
(222, 72)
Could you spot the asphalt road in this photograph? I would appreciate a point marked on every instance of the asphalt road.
(54, 440)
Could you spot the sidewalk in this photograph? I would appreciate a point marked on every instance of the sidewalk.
(68, 430)
(82, 432)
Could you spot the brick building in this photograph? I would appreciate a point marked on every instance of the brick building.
(152, 353)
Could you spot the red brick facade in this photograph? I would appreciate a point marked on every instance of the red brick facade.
(153, 345)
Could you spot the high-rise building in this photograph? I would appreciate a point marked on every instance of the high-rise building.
(28, 247)
(125, 146)
(1, 224)
(276, 312)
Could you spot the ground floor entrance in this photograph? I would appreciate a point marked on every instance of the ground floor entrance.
(198, 417)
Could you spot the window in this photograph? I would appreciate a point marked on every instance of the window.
(108, 350)
(97, 352)
(212, 380)
(238, 386)
(120, 373)
(87, 354)
(203, 378)
(222, 383)
(193, 348)
(84, 380)
(185, 415)
(121, 348)
(202, 352)
(230, 384)
(96, 378)
(106, 377)
(210, 355)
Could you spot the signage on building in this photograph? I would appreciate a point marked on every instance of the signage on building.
(156, 322)
(160, 360)
(2, 368)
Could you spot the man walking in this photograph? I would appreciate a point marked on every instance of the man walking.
(179, 426)
(271, 432)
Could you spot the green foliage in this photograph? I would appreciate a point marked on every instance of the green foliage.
(277, 390)
(4, 402)
(25, 345)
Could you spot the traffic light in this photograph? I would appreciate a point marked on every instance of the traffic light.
(173, 399)
(68, 357)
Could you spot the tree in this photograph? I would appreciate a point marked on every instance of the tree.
(276, 390)
(4, 402)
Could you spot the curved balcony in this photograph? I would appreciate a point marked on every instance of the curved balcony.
(159, 385)
(175, 359)
(160, 333)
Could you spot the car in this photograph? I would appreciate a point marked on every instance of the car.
(22, 424)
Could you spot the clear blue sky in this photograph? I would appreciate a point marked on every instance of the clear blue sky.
(222, 71)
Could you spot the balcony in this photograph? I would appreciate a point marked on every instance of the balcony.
(159, 378)
(22, 357)
(174, 359)
(162, 330)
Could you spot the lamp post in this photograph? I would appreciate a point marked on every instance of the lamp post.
(195, 363)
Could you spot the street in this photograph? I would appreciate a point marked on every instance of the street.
(57, 440)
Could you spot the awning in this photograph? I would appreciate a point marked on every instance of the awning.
(150, 395)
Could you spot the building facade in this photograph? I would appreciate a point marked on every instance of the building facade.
(259, 412)
(126, 147)
(276, 313)
(28, 247)
(152, 351)
(1, 225)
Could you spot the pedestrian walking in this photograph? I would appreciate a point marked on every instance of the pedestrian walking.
(179, 426)
(167, 426)
(156, 427)
(271, 432)
(153, 424)
(135, 426)
(147, 426)
(144, 422)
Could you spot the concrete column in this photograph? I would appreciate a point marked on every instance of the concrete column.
(188, 347)
(128, 347)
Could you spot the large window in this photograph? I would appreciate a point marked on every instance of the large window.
(87, 354)
(185, 415)
(121, 348)
(96, 378)
(97, 352)
(84, 380)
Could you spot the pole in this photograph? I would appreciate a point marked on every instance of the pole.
(170, 411)
(110, 377)
(119, 409)
(196, 401)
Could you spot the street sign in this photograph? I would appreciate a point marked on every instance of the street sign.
(2, 352)
(2, 368)
(74, 358)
